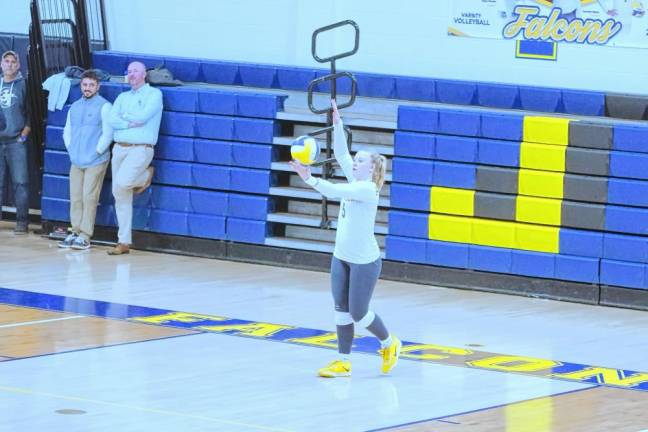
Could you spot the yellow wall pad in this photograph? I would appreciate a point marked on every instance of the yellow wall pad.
(537, 238)
(540, 183)
(486, 232)
(450, 228)
(546, 130)
(452, 201)
(547, 157)
(545, 211)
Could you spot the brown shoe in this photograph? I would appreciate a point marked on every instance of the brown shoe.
(149, 179)
(119, 249)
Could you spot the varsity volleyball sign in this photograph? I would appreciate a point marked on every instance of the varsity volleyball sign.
(590, 22)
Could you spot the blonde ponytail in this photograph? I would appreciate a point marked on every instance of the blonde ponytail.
(379, 169)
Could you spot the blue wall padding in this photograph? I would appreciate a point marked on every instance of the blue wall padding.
(54, 138)
(628, 192)
(490, 259)
(175, 148)
(630, 138)
(459, 122)
(583, 103)
(626, 219)
(252, 155)
(418, 119)
(180, 99)
(206, 226)
(447, 254)
(247, 231)
(56, 186)
(454, 175)
(409, 197)
(178, 124)
(214, 127)
(405, 249)
(415, 171)
(115, 63)
(255, 130)
(170, 198)
(456, 92)
(628, 164)
(213, 151)
(293, 78)
(577, 269)
(251, 180)
(208, 202)
(625, 274)
(169, 222)
(150, 61)
(55, 209)
(541, 99)
(172, 173)
(502, 126)
(407, 224)
(56, 162)
(254, 75)
(498, 95)
(141, 218)
(413, 144)
(418, 89)
(219, 72)
(375, 85)
(458, 149)
(259, 105)
(581, 243)
(496, 152)
(211, 176)
(74, 94)
(184, 69)
(58, 117)
(535, 264)
(215, 102)
(110, 90)
(625, 248)
(106, 216)
(249, 206)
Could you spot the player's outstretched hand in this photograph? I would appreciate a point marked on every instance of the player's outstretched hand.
(302, 170)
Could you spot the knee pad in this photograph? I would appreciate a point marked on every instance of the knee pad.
(367, 319)
(343, 318)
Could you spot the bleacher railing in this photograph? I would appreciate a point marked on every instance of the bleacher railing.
(327, 164)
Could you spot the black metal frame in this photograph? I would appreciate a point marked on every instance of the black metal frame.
(327, 168)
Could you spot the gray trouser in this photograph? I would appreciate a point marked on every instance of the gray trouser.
(352, 286)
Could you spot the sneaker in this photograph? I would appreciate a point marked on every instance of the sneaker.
(21, 228)
(390, 355)
(337, 368)
(67, 243)
(80, 243)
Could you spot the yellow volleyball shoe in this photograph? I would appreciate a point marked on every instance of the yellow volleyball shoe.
(390, 355)
(337, 368)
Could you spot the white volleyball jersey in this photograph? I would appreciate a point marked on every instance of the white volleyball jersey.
(354, 241)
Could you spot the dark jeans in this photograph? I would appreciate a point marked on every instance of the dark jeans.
(14, 156)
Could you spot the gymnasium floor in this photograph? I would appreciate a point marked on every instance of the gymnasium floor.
(161, 342)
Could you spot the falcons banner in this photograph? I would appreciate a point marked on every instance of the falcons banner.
(592, 22)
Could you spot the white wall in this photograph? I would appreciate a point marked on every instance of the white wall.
(397, 37)
(15, 16)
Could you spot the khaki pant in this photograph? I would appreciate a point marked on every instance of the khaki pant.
(128, 171)
(85, 187)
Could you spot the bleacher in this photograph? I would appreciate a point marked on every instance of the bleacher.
(518, 180)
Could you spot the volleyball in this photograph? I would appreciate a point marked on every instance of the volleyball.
(305, 149)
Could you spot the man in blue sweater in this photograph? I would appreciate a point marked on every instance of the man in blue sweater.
(14, 109)
(87, 137)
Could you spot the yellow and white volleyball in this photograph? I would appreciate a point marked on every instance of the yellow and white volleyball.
(305, 149)
(638, 9)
